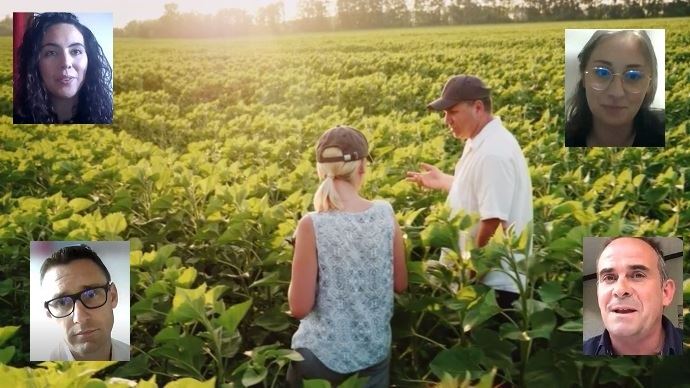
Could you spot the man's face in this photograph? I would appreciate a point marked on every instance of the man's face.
(86, 330)
(629, 289)
(462, 119)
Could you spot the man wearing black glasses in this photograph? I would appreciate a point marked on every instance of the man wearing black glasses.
(80, 297)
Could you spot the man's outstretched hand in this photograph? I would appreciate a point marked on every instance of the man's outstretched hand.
(431, 177)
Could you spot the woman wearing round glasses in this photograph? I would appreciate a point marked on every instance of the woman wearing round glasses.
(611, 106)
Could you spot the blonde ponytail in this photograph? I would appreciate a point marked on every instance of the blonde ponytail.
(326, 197)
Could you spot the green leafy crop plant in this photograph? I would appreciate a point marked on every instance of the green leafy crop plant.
(209, 164)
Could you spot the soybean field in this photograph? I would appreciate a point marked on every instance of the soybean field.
(209, 164)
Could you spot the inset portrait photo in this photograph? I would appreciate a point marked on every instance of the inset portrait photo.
(632, 296)
(614, 88)
(63, 68)
(79, 294)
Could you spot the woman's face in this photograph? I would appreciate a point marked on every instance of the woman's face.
(62, 61)
(615, 103)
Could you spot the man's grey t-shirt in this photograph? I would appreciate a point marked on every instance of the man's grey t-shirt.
(62, 353)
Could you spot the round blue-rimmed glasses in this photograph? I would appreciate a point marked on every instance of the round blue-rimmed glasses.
(633, 80)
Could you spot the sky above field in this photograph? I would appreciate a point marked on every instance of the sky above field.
(125, 11)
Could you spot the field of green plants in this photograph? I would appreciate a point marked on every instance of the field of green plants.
(209, 164)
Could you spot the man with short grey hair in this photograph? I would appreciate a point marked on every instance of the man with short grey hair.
(632, 290)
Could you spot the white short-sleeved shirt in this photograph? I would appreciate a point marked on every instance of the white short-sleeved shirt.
(120, 351)
(492, 179)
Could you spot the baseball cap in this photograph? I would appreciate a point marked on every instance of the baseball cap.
(460, 88)
(350, 141)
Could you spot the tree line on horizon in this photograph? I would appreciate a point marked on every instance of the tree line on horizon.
(334, 15)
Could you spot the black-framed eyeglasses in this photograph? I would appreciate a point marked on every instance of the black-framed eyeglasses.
(91, 298)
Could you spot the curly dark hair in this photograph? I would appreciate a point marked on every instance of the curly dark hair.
(646, 123)
(32, 103)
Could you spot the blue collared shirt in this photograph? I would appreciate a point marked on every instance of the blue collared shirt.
(601, 345)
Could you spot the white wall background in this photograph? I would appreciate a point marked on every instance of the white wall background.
(45, 334)
(591, 249)
(101, 24)
(575, 40)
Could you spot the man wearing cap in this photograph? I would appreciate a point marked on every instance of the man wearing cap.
(491, 178)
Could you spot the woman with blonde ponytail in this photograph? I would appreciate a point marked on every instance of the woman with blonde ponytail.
(349, 259)
(326, 197)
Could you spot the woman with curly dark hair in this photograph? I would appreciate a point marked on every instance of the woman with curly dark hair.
(611, 106)
(63, 75)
